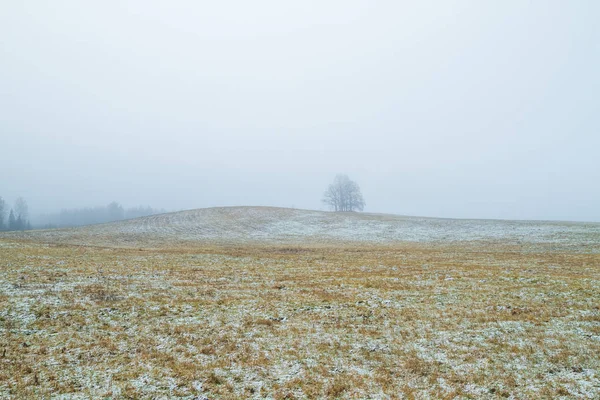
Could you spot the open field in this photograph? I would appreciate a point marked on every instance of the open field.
(156, 309)
(260, 225)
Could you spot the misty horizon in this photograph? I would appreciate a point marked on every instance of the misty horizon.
(454, 110)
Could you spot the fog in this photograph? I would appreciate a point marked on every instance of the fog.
(462, 109)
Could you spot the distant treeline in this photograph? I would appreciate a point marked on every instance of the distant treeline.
(18, 217)
(94, 215)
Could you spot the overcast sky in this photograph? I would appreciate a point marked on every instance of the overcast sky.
(480, 109)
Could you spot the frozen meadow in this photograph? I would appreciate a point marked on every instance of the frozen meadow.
(264, 225)
(281, 303)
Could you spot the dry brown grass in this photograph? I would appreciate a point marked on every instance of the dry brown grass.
(403, 321)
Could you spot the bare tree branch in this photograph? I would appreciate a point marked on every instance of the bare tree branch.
(344, 195)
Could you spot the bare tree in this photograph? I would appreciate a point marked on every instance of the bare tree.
(115, 211)
(2, 212)
(344, 195)
(22, 209)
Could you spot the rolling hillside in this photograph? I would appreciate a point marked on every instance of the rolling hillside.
(256, 302)
(269, 225)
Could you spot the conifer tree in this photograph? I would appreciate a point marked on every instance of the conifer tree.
(12, 222)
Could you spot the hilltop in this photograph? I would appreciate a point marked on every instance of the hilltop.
(271, 225)
(258, 302)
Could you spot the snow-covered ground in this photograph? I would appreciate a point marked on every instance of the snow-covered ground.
(413, 322)
(439, 308)
(283, 225)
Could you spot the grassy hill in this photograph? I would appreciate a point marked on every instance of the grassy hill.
(256, 302)
(270, 225)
